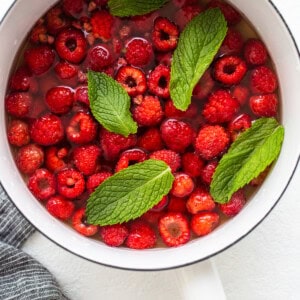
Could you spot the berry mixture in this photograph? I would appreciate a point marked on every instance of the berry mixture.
(65, 154)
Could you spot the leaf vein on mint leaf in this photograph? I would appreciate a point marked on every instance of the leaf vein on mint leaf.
(129, 193)
(252, 152)
(110, 104)
(127, 8)
(197, 46)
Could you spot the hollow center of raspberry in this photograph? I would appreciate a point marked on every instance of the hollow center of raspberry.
(163, 82)
(229, 69)
(70, 182)
(43, 184)
(174, 230)
(164, 36)
(131, 82)
(71, 44)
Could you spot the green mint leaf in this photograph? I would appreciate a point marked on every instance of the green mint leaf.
(197, 46)
(129, 193)
(127, 8)
(253, 151)
(110, 104)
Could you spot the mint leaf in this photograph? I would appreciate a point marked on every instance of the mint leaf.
(126, 8)
(129, 193)
(197, 46)
(110, 104)
(248, 156)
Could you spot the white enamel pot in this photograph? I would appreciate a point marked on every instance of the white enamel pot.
(273, 30)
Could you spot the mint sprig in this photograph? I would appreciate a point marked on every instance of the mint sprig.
(197, 46)
(129, 193)
(127, 8)
(110, 104)
(253, 151)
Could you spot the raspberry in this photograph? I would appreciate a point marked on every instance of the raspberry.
(177, 135)
(72, 7)
(39, 59)
(86, 159)
(150, 140)
(164, 35)
(264, 105)
(170, 157)
(204, 87)
(102, 24)
(81, 95)
(183, 185)
(18, 104)
(47, 130)
(18, 133)
(208, 171)
(233, 42)
(151, 217)
(181, 3)
(177, 205)
(42, 184)
(164, 58)
(255, 52)
(59, 99)
(82, 128)
(220, 108)
(172, 112)
(56, 20)
(186, 14)
(80, 225)
(159, 81)
(161, 204)
(99, 57)
(144, 23)
(231, 15)
(70, 183)
(174, 229)
(29, 158)
(149, 112)
(114, 235)
(95, 180)
(60, 207)
(241, 93)
(204, 222)
(238, 125)
(235, 204)
(112, 143)
(141, 236)
(229, 70)
(200, 200)
(71, 45)
(64, 70)
(55, 158)
(192, 164)
(263, 80)
(212, 141)
(38, 33)
(22, 80)
(129, 157)
(139, 52)
(133, 80)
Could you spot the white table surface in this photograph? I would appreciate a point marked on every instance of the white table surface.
(264, 265)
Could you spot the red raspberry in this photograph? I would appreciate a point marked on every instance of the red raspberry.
(60, 207)
(60, 99)
(208, 171)
(18, 104)
(177, 205)
(144, 23)
(42, 184)
(159, 81)
(238, 125)
(133, 80)
(204, 222)
(183, 185)
(186, 14)
(172, 112)
(231, 15)
(129, 157)
(177, 135)
(86, 159)
(264, 105)
(47, 130)
(29, 158)
(55, 158)
(71, 45)
(114, 235)
(151, 217)
(139, 52)
(170, 157)
(181, 3)
(99, 57)
(161, 204)
(39, 33)
(164, 35)
(229, 70)
(70, 183)
(204, 87)
(64, 70)
(164, 58)
(200, 200)
(141, 236)
(263, 80)
(23, 81)
(39, 59)
(192, 164)
(72, 7)
(81, 95)
(255, 52)
(102, 24)
(56, 20)
(149, 112)
(235, 204)
(95, 180)
(233, 42)
(174, 229)
(82, 128)
(212, 141)
(241, 93)
(150, 140)
(18, 133)
(220, 108)
(80, 225)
